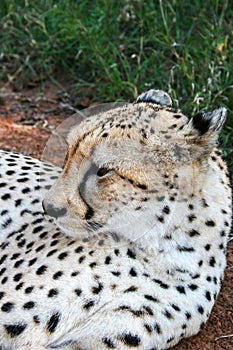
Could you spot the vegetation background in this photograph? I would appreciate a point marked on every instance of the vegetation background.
(116, 49)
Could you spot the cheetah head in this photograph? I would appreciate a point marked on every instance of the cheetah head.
(129, 167)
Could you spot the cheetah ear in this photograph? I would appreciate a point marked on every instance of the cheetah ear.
(209, 123)
(159, 97)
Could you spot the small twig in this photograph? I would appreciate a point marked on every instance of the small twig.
(224, 336)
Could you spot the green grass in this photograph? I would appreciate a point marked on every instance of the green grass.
(120, 48)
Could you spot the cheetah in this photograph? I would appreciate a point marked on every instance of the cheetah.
(125, 247)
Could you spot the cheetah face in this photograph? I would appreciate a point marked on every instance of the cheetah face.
(125, 164)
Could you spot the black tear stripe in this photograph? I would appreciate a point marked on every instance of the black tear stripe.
(15, 329)
(53, 322)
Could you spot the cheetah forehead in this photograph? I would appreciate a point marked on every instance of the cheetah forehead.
(150, 118)
(134, 119)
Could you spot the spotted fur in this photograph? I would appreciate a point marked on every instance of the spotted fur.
(131, 250)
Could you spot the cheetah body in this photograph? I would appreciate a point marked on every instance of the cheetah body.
(96, 280)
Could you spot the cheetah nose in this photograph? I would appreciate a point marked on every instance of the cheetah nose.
(53, 211)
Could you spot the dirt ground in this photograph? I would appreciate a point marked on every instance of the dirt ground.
(28, 119)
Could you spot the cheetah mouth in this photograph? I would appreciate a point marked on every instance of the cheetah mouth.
(77, 228)
(93, 225)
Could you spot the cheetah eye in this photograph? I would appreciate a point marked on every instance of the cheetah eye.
(103, 171)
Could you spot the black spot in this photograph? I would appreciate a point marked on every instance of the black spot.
(200, 309)
(81, 259)
(53, 322)
(89, 304)
(54, 242)
(21, 243)
(191, 217)
(4, 245)
(36, 319)
(17, 277)
(57, 275)
(132, 272)
(32, 261)
(75, 273)
(22, 179)
(161, 283)
(116, 273)
(167, 314)
(148, 328)
(188, 315)
(2, 295)
(157, 328)
(177, 116)
(166, 209)
(221, 246)
(160, 219)
(26, 190)
(30, 245)
(78, 292)
(7, 307)
(7, 223)
(210, 223)
(151, 298)
(185, 249)
(41, 247)
(116, 252)
(6, 196)
(29, 305)
(25, 211)
(52, 293)
(110, 344)
(19, 286)
(207, 247)
(148, 310)
(28, 290)
(131, 254)
(212, 261)
(51, 252)
(62, 255)
(208, 295)
(37, 229)
(107, 260)
(142, 186)
(41, 270)
(93, 264)
(97, 290)
(175, 307)
(15, 329)
(131, 289)
(79, 249)
(4, 280)
(3, 258)
(181, 289)
(193, 287)
(222, 233)
(130, 340)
